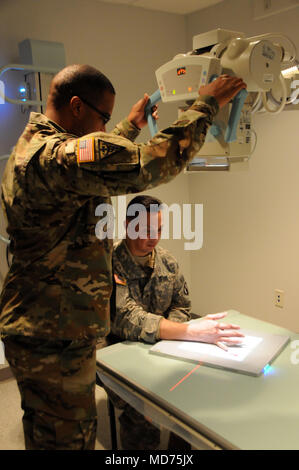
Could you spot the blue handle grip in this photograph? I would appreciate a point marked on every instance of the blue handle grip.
(231, 130)
(154, 98)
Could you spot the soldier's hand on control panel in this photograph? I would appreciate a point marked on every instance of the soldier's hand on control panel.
(224, 88)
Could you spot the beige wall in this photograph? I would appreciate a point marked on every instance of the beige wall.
(251, 218)
(126, 43)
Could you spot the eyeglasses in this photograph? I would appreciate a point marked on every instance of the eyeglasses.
(105, 116)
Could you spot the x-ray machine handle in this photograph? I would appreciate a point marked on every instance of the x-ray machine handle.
(154, 98)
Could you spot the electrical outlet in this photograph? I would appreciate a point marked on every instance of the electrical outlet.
(279, 298)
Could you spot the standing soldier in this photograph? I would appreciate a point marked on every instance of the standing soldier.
(55, 298)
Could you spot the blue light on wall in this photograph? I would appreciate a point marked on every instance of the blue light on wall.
(23, 92)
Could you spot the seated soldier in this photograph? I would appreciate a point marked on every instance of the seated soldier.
(152, 303)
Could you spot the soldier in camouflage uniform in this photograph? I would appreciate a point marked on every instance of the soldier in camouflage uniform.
(55, 298)
(151, 303)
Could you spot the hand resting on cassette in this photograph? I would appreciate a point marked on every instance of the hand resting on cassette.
(208, 330)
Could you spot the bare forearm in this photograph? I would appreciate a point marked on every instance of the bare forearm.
(173, 330)
(207, 330)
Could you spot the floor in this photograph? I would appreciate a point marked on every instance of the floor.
(11, 431)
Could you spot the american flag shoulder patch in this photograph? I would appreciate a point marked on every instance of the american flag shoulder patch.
(85, 150)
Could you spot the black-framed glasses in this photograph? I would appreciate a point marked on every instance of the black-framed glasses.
(105, 116)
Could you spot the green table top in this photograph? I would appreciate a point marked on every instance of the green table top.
(235, 410)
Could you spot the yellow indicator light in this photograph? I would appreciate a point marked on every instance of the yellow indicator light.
(190, 88)
(173, 92)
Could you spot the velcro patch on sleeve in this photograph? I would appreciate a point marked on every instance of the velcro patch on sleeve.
(85, 150)
(107, 148)
(120, 281)
(70, 147)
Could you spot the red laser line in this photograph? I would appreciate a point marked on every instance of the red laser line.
(187, 375)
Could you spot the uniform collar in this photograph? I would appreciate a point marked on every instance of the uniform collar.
(123, 259)
(39, 118)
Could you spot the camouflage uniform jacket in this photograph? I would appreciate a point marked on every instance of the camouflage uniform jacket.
(145, 295)
(60, 280)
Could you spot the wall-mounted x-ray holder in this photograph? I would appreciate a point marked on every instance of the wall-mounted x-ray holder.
(25, 68)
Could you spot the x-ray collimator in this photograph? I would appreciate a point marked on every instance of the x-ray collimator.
(181, 77)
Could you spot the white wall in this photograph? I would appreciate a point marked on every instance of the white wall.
(251, 218)
(126, 43)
